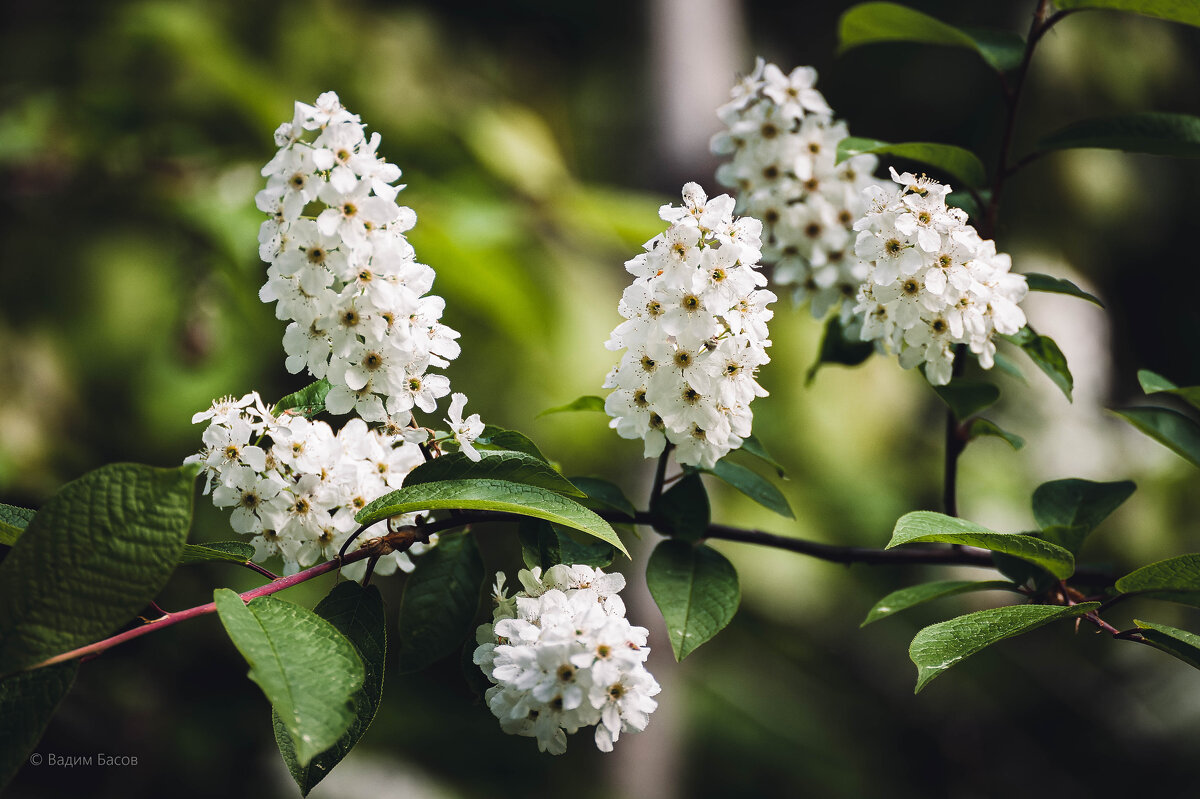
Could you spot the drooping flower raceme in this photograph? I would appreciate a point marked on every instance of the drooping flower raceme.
(694, 333)
(343, 274)
(294, 485)
(783, 141)
(933, 282)
(561, 655)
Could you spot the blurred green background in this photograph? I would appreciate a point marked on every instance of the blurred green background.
(538, 140)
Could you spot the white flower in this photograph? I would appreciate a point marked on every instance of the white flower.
(465, 430)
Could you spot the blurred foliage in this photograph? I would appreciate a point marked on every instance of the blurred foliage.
(131, 134)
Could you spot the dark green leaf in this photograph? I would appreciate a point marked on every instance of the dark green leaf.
(868, 23)
(498, 438)
(544, 544)
(985, 427)
(1045, 353)
(439, 603)
(1068, 510)
(753, 485)
(1058, 285)
(307, 402)
(357, 613)
(13, 521)
(696, 589)
(909, 597)
(928, 527)
(1172, 580)
(959, 164)
(753, 446)
(683, 511)
(1009, 366)
(967, 397)
(229, 551)
(1169, 428)
(588, 403)
(95, 554)
(1179, 643)
(938, 647)
(473, 675)
(1022, 572)
(494, 495)
(511, 465)
(604, 496)
(1155, 383)
(28, 700)
(305, 667)
(836, 347)
(1143, 132)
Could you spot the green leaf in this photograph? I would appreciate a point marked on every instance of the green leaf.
(967, 397)
(1169, 428)
(914, 595)
(1155, 383)
(589, 403)
(1009, 366)
(307, 402)
(683, 511)
(13, 521)
(1179, 643)
(357, 613)
(1185, 11)
(869, 23)
(511, 465)
(1172, 580)
(494, 495)
(961, 165)
(604, 495)
(753, 485)
(439, 602)
(95, 554)
(1045, 353)
(753, 446)
(306, 668)
(28, 700)
(696, 589)
(939, 646)
(544, 544)
(1058, 285)
(1143, 132)
(929, 527)
(228, 551)
(836, 347)
(497, 438)
(985, 427)
(1068, 510)
(1022, 572)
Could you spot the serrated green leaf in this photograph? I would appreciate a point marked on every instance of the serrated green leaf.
(836, 347)
(228, 551)
(1058, 285)
(588, 403)
(1179, 643)
(604, 495)
(1049, 358)
(510, 465)
(696, 589)
(753, 485)
(985, 427)
(682, 511)
(13, 521)
(27, 703)
(1185, 11)
(869, 23)
(495, 495)
(1169, 428)
(1068, 510)
(752, 445)
(929, 527)
(1143, 132)
(544, 545)
(912, 596)
(307, 402)
(967, 397)
(439, 602)
(1172, 580)
(938, 647)
(1155, 383)
(94, 555)
(961, 165)
(497, 438)
(357, 613)
(306, 668)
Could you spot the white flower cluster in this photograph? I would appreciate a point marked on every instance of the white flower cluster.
(933, 282)
(783, 140)
(695, 333)
(295, 485)
(562, 655)
(342, 272)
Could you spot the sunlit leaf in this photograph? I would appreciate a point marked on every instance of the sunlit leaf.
(1155, 383)
(1173, 580)
(929, 527)
(510, 465)
(1178, 643)
(307, 402)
